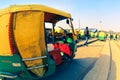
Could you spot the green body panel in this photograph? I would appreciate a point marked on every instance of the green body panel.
(13, 65)
(101, 38)
(10, 63)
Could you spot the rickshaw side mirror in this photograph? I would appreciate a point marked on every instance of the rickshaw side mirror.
(67, 21)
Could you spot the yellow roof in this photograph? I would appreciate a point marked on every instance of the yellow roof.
(16, 8)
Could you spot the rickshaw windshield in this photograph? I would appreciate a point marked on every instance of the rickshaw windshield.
(62, 25)
(59, 25)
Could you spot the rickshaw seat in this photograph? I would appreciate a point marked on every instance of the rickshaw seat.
(55, 53)
(63, 48)
(50, 47)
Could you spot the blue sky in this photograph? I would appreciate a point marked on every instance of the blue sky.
(89, 12)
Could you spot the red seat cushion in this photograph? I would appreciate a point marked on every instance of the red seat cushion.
(63, 48)
(56, 56)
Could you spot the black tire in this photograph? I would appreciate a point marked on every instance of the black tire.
(66, 58)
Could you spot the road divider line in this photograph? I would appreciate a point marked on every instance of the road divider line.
(89, 41)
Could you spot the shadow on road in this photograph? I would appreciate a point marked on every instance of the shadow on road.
(76, 70)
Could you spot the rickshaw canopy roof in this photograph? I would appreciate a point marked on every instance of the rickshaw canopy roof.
(43, 8)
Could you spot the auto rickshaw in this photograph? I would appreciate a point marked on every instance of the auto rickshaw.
(102, 36)
(108, 36)
(92, 34)
(96, 34)
(118, 36)
(114, 36)
(75, 36)
(25, 53)
(82, 35)
(77, 33)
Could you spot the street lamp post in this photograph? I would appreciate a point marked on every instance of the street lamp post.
(79, 24)
(100, 25)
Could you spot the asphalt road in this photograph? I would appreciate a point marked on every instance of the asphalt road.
(107, 67)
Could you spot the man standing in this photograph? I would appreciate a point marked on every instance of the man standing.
(86, 32)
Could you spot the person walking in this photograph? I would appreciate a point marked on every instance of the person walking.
(86, 32)
(111, 36)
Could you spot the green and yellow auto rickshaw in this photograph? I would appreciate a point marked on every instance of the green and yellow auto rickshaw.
(75, 37)
(92, 34)
(96, 34)
(25, 50)
(102, 36)
(77, 33)
(114, 36)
